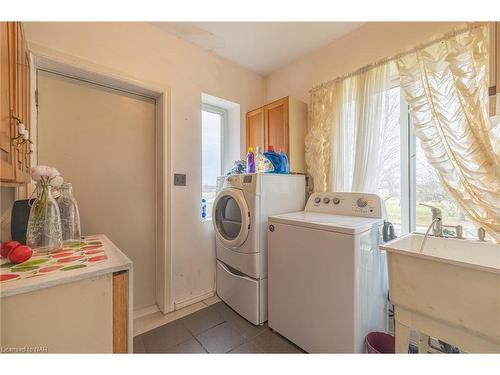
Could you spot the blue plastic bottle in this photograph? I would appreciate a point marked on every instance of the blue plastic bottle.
(285, 165)
(274, 158)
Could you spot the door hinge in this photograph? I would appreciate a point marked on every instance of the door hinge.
(36, 98)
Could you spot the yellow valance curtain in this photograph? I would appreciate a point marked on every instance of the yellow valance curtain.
(445, 85)
(319, 137)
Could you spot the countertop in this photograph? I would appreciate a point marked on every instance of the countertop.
(96, 255)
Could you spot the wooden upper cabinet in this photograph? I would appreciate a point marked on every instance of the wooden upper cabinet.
(15, 102)
(23, 67)
(494, 68)
(255, 129)
(276, 124)
(497, 57)
(6, 147)
(281, 124)
(19, 106)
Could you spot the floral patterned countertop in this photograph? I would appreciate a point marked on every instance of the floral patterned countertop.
(93, 256)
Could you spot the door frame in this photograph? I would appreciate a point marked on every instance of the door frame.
(68, 66)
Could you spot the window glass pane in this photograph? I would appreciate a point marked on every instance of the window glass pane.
(429, 190)
(211, 136)
(389, 183)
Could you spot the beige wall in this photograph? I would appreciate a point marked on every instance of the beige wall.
(142, 52)
(369, 43)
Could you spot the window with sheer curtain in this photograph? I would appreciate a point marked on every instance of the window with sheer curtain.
(406, 178)
(438, 148)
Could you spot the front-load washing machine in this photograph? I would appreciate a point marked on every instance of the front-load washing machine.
(327, 276)
(241, 208)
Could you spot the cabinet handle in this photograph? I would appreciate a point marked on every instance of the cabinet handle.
(22, 134)
(19, 121)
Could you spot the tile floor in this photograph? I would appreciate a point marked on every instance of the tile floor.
(214, 329)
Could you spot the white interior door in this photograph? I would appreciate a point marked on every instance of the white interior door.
(102, 141)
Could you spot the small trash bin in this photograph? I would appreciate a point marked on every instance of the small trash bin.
(380, 343)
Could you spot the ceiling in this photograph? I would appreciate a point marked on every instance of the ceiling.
(262, 47)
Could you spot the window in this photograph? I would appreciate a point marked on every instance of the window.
(428, 190)
(389, 183)
(406, 178)
(212, 129)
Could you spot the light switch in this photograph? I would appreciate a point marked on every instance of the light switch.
(179, 179)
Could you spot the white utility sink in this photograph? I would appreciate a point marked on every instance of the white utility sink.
(450, 290)
(467, 253)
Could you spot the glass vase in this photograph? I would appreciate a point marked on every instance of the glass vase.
(70, 216)
(44, 224)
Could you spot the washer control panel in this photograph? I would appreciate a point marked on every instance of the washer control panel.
(241, 181)
(346, 203)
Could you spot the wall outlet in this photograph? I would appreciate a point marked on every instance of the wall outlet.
(179, 179)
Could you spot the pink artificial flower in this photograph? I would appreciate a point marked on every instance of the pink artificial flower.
(43, 171)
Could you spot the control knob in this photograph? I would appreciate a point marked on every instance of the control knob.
(361, 202)
(326, 200)
(317, 200)
(336, 200)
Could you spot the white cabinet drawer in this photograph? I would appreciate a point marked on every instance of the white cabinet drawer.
(241, 293)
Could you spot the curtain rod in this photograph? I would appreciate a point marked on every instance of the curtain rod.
(399, 55)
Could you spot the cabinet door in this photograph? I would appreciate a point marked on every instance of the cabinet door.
(21, 100)
(255, 128)
(494, 67)
(7, 150)
(25, 109)
(27, 106)
(15, 102)
(497, 59)
(276, 124)
(18, 97)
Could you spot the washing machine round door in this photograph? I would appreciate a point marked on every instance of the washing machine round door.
(231, 218)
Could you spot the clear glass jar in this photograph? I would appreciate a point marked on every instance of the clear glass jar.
(44, 232)
(70, 216)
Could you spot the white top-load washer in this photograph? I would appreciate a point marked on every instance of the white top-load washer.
(240, 212)
(327, 277)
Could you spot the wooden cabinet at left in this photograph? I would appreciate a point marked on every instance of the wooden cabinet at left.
(14, 104)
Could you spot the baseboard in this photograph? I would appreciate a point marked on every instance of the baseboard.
(157, 319)
(139, 313)
(151, 317)
(193, 300)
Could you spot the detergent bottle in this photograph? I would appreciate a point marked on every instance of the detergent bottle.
(250, 161)
(285, 164)
(274, 158)
(259, 160)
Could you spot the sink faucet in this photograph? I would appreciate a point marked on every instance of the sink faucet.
(435, 221)
(437, 218)
(437, 225)
(459, 230)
